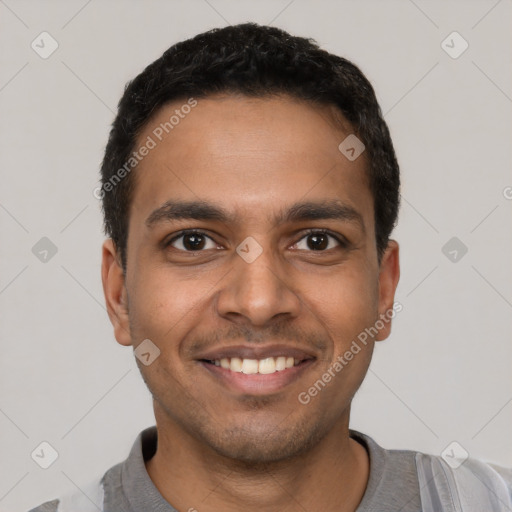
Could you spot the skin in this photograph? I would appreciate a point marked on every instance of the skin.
(218, 448)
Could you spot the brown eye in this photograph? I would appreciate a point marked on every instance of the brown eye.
(192, 241)
(318, 241)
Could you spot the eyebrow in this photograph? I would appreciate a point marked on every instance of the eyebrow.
(301, 211)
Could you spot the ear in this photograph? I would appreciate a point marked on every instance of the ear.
(389, 275)
(114, 289)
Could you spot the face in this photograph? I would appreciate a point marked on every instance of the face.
(252, 267)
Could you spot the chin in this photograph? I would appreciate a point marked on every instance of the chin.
(250, 445)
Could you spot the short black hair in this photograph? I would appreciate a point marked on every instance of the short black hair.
(255, 61)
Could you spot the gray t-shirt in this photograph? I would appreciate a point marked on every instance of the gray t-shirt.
(392, 484)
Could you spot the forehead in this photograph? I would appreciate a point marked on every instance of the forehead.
(252, 154)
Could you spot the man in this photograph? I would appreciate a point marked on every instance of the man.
(250, 188)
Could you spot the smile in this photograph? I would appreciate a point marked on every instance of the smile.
(264, 366)
(257, 377)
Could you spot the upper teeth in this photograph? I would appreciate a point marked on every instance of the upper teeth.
(251, 366)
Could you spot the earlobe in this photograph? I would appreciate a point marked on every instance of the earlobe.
(389, 276)
(114, 289)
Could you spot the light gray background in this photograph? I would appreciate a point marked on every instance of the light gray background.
(444, 375)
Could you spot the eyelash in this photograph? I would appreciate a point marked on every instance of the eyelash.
(343, 243)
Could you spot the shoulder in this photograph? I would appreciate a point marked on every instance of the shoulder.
(468, 484)
(89, 498)
(109, 492)
(434, 483)
(49, 506)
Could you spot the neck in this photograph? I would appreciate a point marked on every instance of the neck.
(330, 476)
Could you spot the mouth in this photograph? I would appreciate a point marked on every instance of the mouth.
(257, 375)
(265, 366)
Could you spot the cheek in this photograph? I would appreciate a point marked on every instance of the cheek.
(342, 296)
(164, 308)
(344, 304)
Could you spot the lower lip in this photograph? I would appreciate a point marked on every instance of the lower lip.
(257, 383)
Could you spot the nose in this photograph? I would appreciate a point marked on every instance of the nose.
(257, 292)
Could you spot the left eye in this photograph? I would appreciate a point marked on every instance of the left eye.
(192, 241)
(318, 241)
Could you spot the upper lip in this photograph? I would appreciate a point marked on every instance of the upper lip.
(256, 352)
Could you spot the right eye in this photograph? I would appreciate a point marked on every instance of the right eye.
(191, 241)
